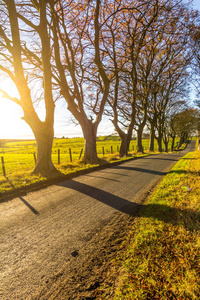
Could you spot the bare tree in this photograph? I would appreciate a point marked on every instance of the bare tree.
(125, 54)
(162, 68)
(79, 67)
(19, 58)
(185, 123)
(154, 38)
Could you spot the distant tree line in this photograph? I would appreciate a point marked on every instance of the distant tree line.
(126, 59)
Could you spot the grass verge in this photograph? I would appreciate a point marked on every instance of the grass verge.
(162, 256)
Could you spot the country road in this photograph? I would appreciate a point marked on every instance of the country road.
(47, 236)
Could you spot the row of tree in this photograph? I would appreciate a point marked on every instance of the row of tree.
(126, 59)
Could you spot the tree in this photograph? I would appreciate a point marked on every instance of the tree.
(172, 92)
(78, 62)
(19, 59)
(124, 55)
(195, 47)
(168, 85)
(185, 123)
(154, 40)
(67, 53)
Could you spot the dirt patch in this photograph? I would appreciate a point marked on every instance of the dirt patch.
(91, 265)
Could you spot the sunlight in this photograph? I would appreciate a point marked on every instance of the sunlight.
(11, 124)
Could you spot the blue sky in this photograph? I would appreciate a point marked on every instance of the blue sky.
(12, 126)
(196, 4)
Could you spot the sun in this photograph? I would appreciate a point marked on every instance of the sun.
(11, 124)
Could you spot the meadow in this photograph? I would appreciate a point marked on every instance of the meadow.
(160, 259)
(18, 157)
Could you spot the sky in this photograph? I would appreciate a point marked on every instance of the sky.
(196, 4)
(13, 127)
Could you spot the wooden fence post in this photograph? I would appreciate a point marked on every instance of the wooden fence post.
(117, 148)
(70, 154)
(3, 166)
(58, 156)
(103, 150)
(111, 149)
(81, 153)
(34, 156)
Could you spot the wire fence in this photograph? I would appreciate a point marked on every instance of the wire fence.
(19, 158)
(24, 162)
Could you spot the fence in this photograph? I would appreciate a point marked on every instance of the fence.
(22, 158)
(24, 162)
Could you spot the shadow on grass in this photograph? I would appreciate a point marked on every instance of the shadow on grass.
(22, 199)
(188, 218)
(184, 172)
(163, 213)
(190, 158)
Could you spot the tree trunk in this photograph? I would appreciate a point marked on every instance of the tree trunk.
(166, 146)
(124, 147)
(152, 137)
(139, 141)
(159, 139)
(89, 132)
(180, 142)
(44, 165)
(166, 141)
(183, 139)
(159, 142)
(172, 145)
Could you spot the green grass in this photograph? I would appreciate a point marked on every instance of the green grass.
(162, 256)
(19, 159)
(20, 147)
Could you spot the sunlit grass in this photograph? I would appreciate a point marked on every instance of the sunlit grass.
(76, 144)
(162, 260)
(17, 180)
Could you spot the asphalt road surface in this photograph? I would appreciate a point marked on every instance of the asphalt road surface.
(47, 232)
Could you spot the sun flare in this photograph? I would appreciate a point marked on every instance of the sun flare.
(11, 124)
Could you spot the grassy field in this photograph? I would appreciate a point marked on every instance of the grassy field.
(19, 159)
(162, 256)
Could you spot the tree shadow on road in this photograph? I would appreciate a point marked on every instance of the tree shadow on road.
(108, 172)
(140, 170)
(22, 199)
(160, 158)
(87, 175)
(160, 212)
